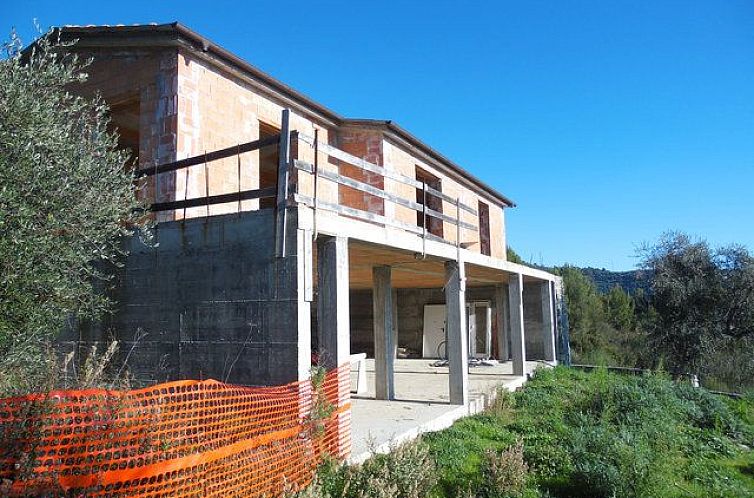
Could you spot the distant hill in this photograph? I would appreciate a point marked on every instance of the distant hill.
(628, 280)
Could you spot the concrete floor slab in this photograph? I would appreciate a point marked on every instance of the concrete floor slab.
(421, 403)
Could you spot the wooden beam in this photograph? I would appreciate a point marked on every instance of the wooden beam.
(356, 213)
(378, 192)
(373, 168)
(209, 157)
(214, 199)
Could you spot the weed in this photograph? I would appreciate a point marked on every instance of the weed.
(504, 472)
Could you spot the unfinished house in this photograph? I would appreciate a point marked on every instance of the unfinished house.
(288, 234)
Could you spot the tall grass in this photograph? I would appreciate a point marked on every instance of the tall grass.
(572, 434)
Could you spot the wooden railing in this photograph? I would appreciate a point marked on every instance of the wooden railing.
(205, 159)
(333, 153)
(286, 190)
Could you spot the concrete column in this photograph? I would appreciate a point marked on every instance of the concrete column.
(384, 337)
(516, 307)
(548, 321)
(501, 316)
(333, 322)
(457, 346)
(332, 301)
(488, 330)
(299, 254)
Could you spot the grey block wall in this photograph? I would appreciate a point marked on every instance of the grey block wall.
(213, 301)
(410, 316)
(533, 321)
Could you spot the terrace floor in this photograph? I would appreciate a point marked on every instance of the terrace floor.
(421, 403)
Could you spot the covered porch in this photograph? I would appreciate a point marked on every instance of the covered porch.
(424, 322)
(421, 402)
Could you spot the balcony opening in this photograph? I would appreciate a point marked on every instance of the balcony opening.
(484, 229)
(124, 120)
(434, 224)
(269, 157)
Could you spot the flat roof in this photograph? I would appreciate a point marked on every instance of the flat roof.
(176, 34)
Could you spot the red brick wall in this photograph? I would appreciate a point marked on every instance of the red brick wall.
(150, 76)
(189, 106)
(366, 144)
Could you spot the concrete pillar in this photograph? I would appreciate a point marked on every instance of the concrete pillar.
(384, 336)
(516, 307)
(333, 322)
(457, 346)
(299, 255)
(548, 321)
(488, 331)
(501, 316)
(332, 301)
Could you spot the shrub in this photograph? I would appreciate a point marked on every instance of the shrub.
(67, 200)
(708, 411)
(609, 463)
(503, 405)
(504, 472)
(407, 472)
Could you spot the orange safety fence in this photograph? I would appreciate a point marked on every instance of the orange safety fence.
(178, 439)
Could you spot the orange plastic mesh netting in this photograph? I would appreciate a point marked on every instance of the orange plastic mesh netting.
(184, 438)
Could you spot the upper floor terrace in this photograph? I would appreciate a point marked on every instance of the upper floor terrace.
(212, 135)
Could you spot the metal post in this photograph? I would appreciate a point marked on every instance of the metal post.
(206, 183)
(424, 218)
(185, 193)
(458, 229)
(284, 152)
(316, 178)
(238, 165)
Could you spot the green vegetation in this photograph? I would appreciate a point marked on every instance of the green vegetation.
(697, 318)
(605, 329)
(407, 472)
(66, 199)
(513, 256)
(602, 435)
(704, 303)
(573, 434)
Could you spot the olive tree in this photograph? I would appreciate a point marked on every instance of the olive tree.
(66, 200)
(703, 299)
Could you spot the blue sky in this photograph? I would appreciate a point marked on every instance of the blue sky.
(608, 122)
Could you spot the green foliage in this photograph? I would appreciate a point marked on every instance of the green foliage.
(604, 329)
(406, 472)
(65, 201)
(513, 256)
(460, 449)
(585, 314)
(504, 473)
(698, 317)
(704, 302)
(620, 309)
(604, 435)
(321, 406)
(571, 434)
